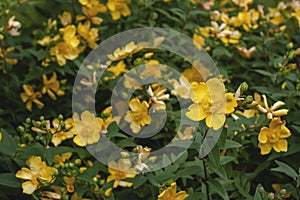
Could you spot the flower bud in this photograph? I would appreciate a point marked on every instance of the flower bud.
(271, 196)
(244, 87)
(261, 190)
(28, 120)
(42, 118)
(21, 129)
(249, 99)
(60, 117)
(289, 45)
(283, 192)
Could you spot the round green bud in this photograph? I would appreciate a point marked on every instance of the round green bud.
(283, 192)
(60, 117)
(42, 118)
(249, 99)
(28, 120)
(261, 190)
(21, 129)
(271, 196)
(244, 87)
(289, 45)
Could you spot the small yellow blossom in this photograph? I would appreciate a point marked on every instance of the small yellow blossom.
(246, 53)
(247, 19)
(0, 136)
(138, 115)
(157, 97)
(123, 52)
(38, 170)
(88, 128)
(143, 154)
(181, 88)
(171, 194)
(118, 8)
(119, 171)
(117, 70)
(69, 36)
(230, 103)
(152, 68)
(108, 192)
(65, 18)
(69, 183)
(4, 58)
(52, 85)
(242, 3)
(90, 14)
(60, 159)
(89, 3)
(58, 134)
(272, 112)
(192, 74)
(13, 26)
(30, 96)
(273, 137)
(90, 35)
(296, 14)
(210, 106)
(186, 135)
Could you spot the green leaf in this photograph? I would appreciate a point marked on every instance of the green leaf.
(286, 169)
(8, 144)
(10, 180)
(226, 159)
(220, 52)
(138, 181)
(218, 188)
(230, 144)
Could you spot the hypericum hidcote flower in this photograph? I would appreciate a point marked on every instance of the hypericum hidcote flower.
(138, 115)
(171, 194)
(157, 97)
(272, 112)
(119, 171)
(210, 103)
(13, 26)
(118, 8)
(38, 171)
(274, 137)
(30, 96)
(181, 88)
(89, 128)
(52, 85)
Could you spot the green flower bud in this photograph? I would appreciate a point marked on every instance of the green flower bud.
(42, 118)
(289, 45)
(60, 117)
(249, 99)
(21, 129)
(28, 120)
(271, 196)
(261, 190)
(282, 192)
(244, 87)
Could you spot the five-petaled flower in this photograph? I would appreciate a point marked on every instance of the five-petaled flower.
(171, 194)
(119, 171)
(274, 137)
(30, 96)
(138, 115)
(38, 171)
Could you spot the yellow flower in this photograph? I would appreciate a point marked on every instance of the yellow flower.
(186, 135)
(274, 16)
(38, 171)
(246, 53)
(192, 75)
(171, 194)
(89, 3)
(138, 115)
(117, 70)
(198, 40)
(30, 96)
(60, 159)
(88, 128)
(5, 58)
(90, 14)
(13, 26)
(108, 192)
(143, 154)
(90, 35)
(58, 134)
(242, 3)
(119, 171)
(130, 82)
(272, 112)
(210, 106)
(69, 36)
(62, 51)
(52, 85)
(157, 97)
(181, 88)
(70, 183)
(273, 137)
(65, 18)
(123, 52)
(247, 19)
(0, 136)
(118, 8)
(152, 68)
(296, 14)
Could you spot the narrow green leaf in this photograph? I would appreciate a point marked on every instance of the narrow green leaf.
(286, 169)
